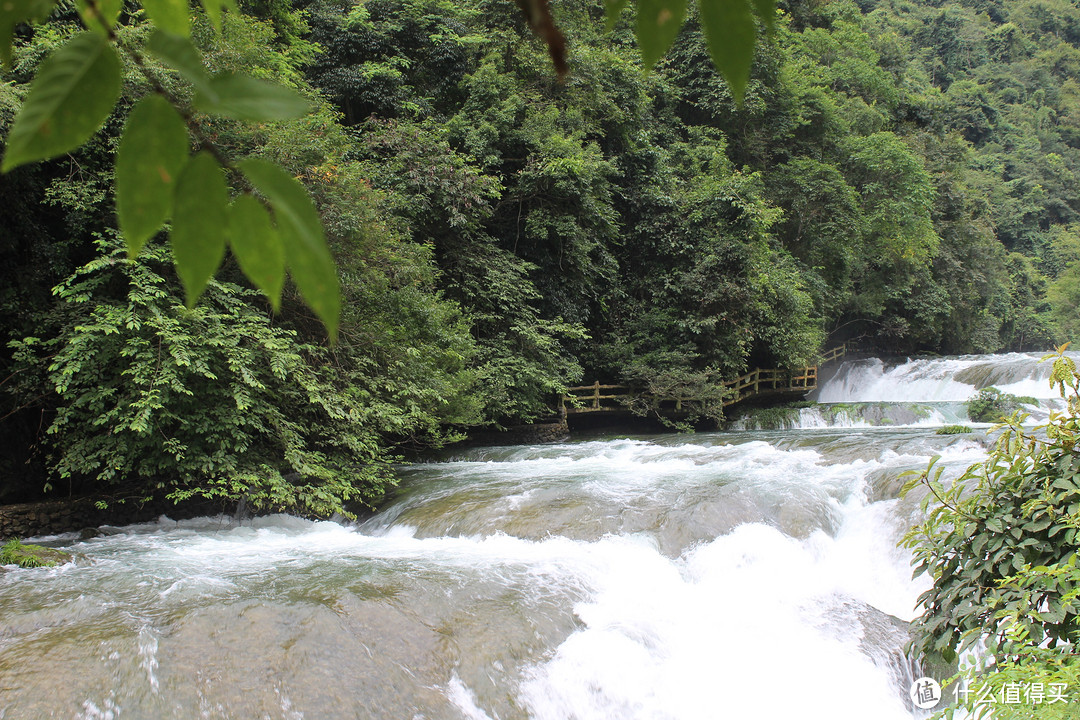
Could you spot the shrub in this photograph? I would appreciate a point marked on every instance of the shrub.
(215, 401)
(953, 430)
(1000, 543)
(992, 405)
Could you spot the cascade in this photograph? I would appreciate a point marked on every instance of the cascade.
(727, 574)
(937, 379)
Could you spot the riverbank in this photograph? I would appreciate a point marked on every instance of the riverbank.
(53, 517)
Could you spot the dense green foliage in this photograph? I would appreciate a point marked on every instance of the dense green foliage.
(899, 172)
(1000, 543)
(992, 405)
(136, 395)
(214, 401)
(952, 430)
(73, 93)
(1021, 661)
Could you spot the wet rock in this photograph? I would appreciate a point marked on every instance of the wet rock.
(884, 639)
(28, 556)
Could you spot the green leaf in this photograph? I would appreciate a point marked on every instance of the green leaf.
(1038, 525)
(242, 97)
(1067, 484)
(257, 246)
(766, 10)
(214, 10)
(100, 17)
(200, 215)
(658, 22)
(153, 150)
(306, 252)
(612, 10)
(181, 55)
(72, 95)
(169, 15)
(730, 32)
(13, 12)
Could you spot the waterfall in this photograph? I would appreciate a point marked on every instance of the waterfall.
(930, 392)
(949, 379)
(728, 574)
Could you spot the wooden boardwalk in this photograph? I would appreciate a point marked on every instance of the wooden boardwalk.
(757, 383)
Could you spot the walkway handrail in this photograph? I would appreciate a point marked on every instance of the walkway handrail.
(834, 354)
(759, 381)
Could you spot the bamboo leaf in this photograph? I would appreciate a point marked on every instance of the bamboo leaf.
(72, 95)
(658, 22)
(730, 33)
(257, 246)
(153, 151)
(243, 97)
(199, 220)
(306, 252)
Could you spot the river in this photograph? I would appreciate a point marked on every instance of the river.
(740, 574)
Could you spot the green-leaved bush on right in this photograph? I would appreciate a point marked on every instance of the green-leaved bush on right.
(1000, 543)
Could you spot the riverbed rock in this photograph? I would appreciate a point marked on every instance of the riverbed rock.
(16, 553)
(884, 639)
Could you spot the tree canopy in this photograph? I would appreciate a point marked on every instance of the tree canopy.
(479, 231)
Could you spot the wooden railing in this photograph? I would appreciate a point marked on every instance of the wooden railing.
(759, 382)
(768, 382)
(591, 395)
(834, 354)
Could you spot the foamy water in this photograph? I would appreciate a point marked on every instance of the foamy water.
(952, 379)
(716, 575)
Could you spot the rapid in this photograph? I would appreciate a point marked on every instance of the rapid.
(738, 574)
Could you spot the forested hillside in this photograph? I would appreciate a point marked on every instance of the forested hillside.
(901, 173)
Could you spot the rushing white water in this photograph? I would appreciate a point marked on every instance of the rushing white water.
(855, 415)
(953, 379)
(750, 574)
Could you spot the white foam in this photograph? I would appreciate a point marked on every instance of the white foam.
(938, 379)
(464, 699)
(738, 626)
(734, 629)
